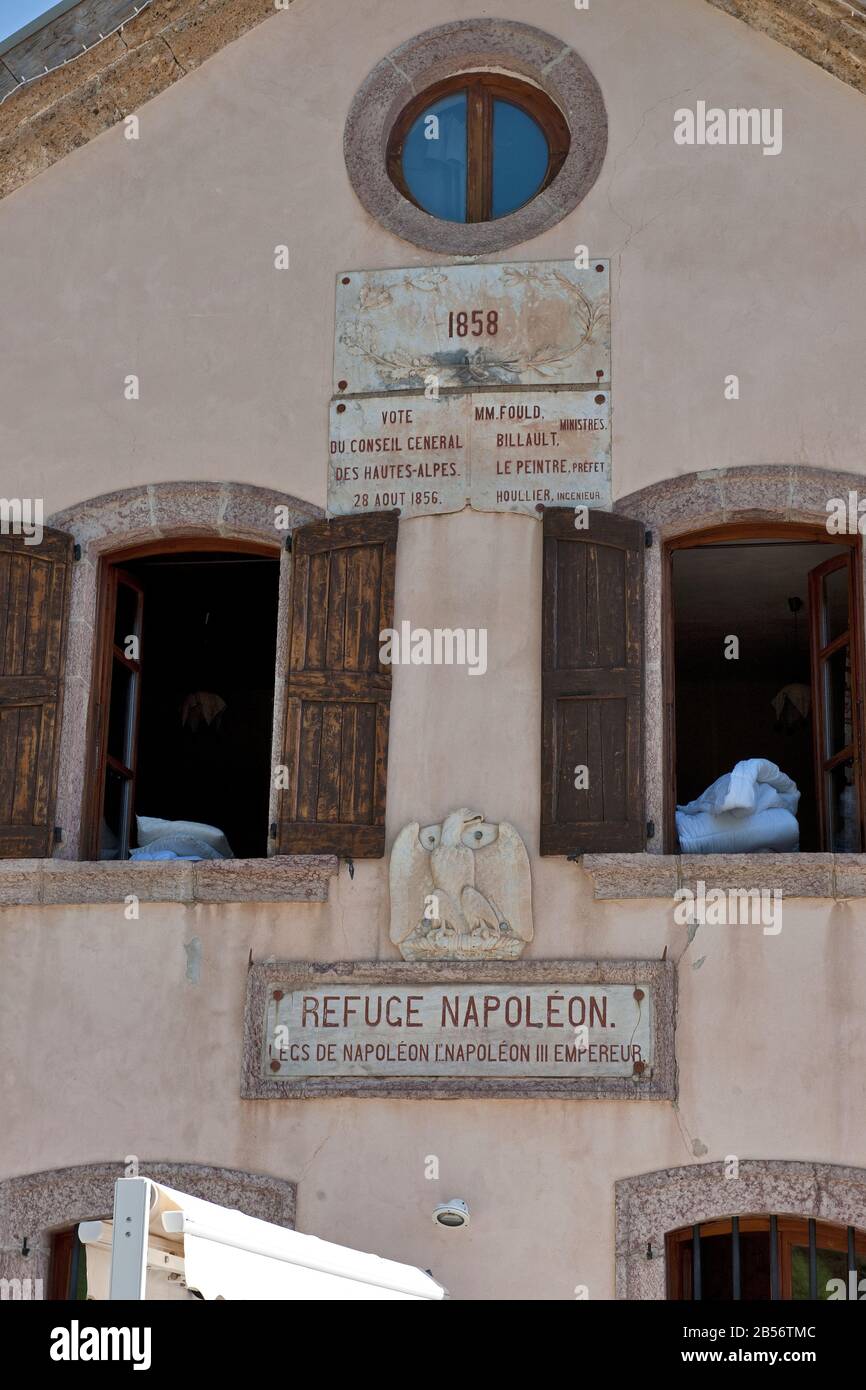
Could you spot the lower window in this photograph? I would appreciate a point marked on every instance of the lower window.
(765, 1257)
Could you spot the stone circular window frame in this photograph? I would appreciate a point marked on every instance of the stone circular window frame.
(445, 51)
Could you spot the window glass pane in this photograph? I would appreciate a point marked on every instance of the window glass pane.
(125, 615)
(120, 713)
(717, 1267)
(114, 816)
(842, 801)
(835, 603)
(832, 1264)
(520, 157)
(434, 158)
(837, 689)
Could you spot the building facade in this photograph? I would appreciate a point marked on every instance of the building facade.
(205, 218)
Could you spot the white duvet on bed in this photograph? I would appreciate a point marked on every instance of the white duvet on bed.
(752, 808)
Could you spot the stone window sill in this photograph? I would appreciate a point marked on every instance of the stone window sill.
(283, 878)
(660, 875)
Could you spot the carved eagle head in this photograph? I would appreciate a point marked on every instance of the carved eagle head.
(454, 825)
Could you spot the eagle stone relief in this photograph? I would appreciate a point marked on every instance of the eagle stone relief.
(460, 890)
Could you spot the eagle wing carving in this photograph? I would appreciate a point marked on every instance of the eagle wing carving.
(502, 875)
(411, 881)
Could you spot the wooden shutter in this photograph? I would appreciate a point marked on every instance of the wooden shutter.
(34, 592)
(592, 684)
(339, 694)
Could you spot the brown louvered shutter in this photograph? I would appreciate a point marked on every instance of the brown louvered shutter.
(339, 695)
(592, 684)
(34, 595)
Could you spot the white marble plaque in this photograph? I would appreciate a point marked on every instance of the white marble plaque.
(408, 453)
(541, 323)
(461, 1030)
(540, 447)
(503, 451)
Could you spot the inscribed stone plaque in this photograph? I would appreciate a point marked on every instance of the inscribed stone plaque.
(568, 1028)
(496, 450)
(412, 454)
(522, 324)
(548, 447)
(431, 1030)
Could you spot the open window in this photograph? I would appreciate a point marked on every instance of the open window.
(183, 715)
(763, 658)
(759, 1258)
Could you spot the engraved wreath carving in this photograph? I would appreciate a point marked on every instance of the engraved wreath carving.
(482, 365)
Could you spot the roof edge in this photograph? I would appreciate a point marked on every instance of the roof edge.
(829, 33)
(44, 119)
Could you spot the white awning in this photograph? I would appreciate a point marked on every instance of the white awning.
(220, 1253)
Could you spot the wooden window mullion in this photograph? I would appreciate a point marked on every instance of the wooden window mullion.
(477, 153)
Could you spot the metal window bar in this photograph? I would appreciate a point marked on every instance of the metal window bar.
(774, 1259)
(813, 1260)
(735, 1257)
(697, 1291)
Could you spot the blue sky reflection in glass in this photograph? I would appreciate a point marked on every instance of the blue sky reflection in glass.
(520, 156)
(434, 158)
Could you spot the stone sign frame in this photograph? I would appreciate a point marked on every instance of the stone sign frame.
(660, 974)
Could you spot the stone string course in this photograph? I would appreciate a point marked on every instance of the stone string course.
(284, 878)
(660, 875)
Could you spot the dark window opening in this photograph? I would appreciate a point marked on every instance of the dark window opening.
(186, 720)
(763, 1258)
(766, 666)
(67, 1271)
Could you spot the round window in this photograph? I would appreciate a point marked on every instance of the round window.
(477, 147)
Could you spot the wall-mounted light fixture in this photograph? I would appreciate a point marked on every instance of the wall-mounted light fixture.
(454, 1213)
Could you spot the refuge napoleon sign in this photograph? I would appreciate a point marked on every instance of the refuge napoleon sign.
(569, 1027)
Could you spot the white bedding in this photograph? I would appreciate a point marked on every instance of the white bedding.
(750, 809)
